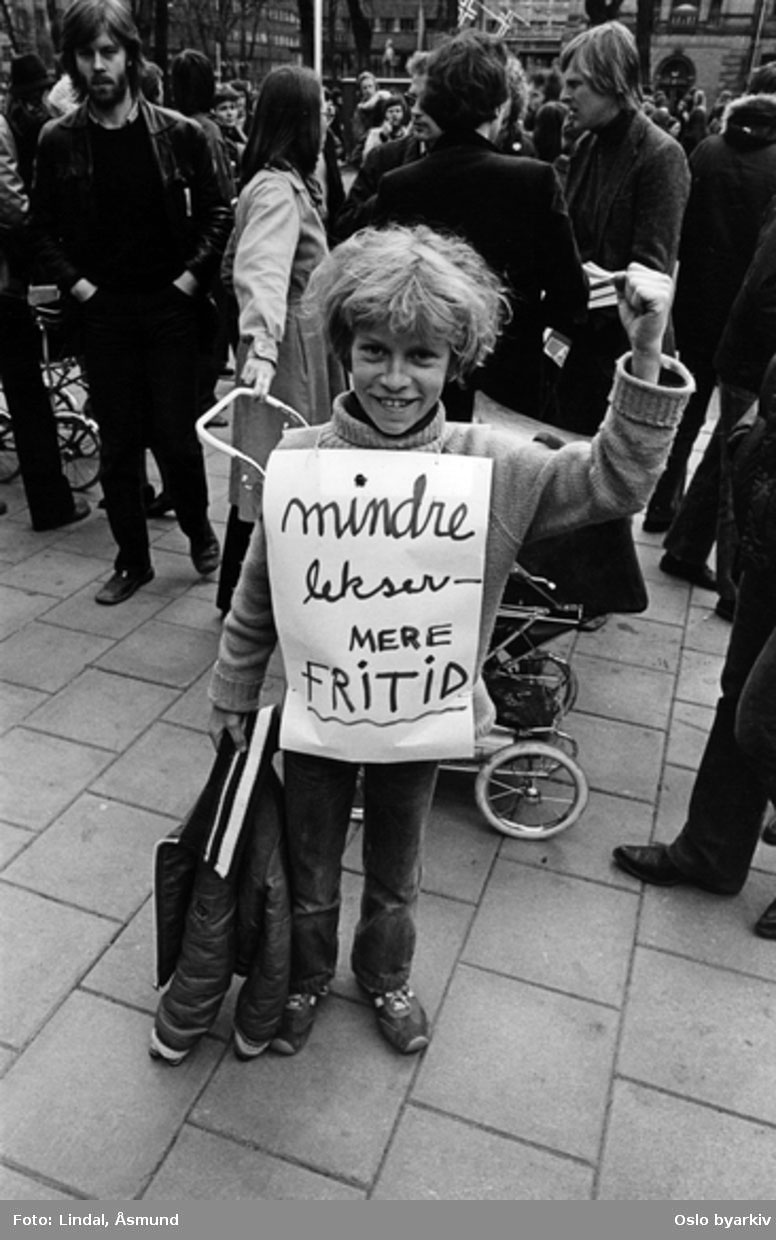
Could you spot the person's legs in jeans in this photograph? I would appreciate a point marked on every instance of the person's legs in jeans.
(319, 796)
(397, 802)
(734, 780)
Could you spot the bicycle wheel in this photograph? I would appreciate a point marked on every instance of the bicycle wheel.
(531, 791)
(9, 461)
(79, 447)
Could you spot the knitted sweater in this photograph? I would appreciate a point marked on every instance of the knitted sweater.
(535, 492)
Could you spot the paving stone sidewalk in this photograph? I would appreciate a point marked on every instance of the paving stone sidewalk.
(592, 1039)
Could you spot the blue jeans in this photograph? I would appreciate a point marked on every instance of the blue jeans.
(319, 796)
(141, 359)
(737, 774)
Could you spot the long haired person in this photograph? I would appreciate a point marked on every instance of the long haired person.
(279, 239)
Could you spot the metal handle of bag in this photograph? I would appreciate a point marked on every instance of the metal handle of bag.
(212, 441)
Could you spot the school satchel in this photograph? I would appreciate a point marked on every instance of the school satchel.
(215, 833)
(595, 566)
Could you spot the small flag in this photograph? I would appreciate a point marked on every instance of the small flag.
(467, 11)
(505, 25)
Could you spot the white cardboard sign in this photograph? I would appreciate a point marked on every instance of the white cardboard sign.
(376, 560)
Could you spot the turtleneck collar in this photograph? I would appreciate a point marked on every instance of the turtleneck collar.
(613, 133)
(357, 411)
(359, 432)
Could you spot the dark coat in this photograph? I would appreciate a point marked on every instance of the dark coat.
(512, 212)
(359, 205)
(222, 903)
(199, 216)
(749, 339)
(733, 181)
(637, 218)
(335, 190)
(627, 188)
(758, 535)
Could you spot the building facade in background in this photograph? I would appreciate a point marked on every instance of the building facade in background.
(711, 44)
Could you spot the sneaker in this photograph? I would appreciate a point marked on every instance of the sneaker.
(296, 1024)
(205, 552)
(158, 1049)
(244, 1049)
(401, 1020)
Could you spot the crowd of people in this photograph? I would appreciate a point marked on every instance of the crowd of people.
(496, 240)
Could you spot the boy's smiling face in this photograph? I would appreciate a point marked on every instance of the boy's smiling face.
(397, 378)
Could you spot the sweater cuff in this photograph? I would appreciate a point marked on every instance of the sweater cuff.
(233, 695)
(653, 404)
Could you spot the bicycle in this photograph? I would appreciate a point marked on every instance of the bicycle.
(77, 433)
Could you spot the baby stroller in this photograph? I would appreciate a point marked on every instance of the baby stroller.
(528, 783)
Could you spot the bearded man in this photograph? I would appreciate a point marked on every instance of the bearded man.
(128, 218)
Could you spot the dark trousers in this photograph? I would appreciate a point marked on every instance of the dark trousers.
(238, 535)
(582, 394)
(737, 774)
(706, 514)
(46, 488)
(319, 796)
(141, 356)
(669, 491)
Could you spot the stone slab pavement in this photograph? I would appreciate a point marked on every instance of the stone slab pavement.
(591, 1039)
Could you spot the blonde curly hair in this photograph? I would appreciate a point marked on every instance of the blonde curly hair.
(414, 281)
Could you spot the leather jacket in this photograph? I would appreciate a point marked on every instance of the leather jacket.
(63, 204)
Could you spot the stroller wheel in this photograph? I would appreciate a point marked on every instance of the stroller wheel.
(531, 790)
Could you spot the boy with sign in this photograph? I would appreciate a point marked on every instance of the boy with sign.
(393, 578)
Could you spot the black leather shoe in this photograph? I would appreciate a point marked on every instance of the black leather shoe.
(159, 505)
(765, 926)
(651, 863)
(122, 585)
(205, 553)
(81, 509)
(653, 523)
(696, 574)
(726, 609)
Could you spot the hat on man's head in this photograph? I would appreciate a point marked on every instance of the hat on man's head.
(28, 74)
